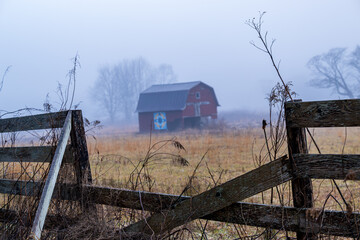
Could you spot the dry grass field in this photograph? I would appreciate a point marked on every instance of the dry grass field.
(113, 157)
(192, 161)
(210, 158)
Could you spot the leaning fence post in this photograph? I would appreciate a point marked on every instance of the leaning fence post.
(51, 180)
(301, 186)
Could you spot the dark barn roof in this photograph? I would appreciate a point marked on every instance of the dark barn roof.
(166, 97)
(174, 87)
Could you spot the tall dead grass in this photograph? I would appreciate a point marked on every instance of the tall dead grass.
(226, 155)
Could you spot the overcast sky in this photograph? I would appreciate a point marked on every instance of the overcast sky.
(203, 40)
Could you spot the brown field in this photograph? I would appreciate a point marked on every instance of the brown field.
(215, 157)
(125, 159)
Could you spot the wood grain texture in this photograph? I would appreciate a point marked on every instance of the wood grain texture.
(308, 221)
(81, 163)
(328, 166)
(78, 143)
(301, 186)
(34, 122)
(276, 217)
(237, 189)
(33, 154)
(51, 180)
(335, 113)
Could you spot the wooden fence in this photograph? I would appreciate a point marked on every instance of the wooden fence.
(221, 203)
(71, 124)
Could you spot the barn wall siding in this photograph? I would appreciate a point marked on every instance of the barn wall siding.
(206, 95)
(145, 122)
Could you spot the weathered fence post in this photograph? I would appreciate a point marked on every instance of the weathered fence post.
(78, 143)
(82, 164)
(301, 186)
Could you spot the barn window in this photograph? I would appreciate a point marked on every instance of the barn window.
(197, 95)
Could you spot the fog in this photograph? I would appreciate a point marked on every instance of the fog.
(203, 40)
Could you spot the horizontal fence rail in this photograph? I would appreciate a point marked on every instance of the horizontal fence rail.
(259, 215)
(33, 154)
(328, 166)
(237, 189)
(337, 113)
(313, 221)
(35, 122)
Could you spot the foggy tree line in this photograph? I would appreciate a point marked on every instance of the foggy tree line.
(117, 87)
(338, 70)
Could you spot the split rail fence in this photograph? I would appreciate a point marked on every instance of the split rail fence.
(221, 203)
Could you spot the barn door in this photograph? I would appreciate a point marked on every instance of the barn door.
(197, 109)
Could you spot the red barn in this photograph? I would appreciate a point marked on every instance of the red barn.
(176, 106)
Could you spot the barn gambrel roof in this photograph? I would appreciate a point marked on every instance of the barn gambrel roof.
(166, 97)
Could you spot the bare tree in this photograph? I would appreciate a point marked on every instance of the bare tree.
(338, 71)
(3, 77)
(165, 74)
(132, 77)
(118, 87)
(105, 92)
(355, 61)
